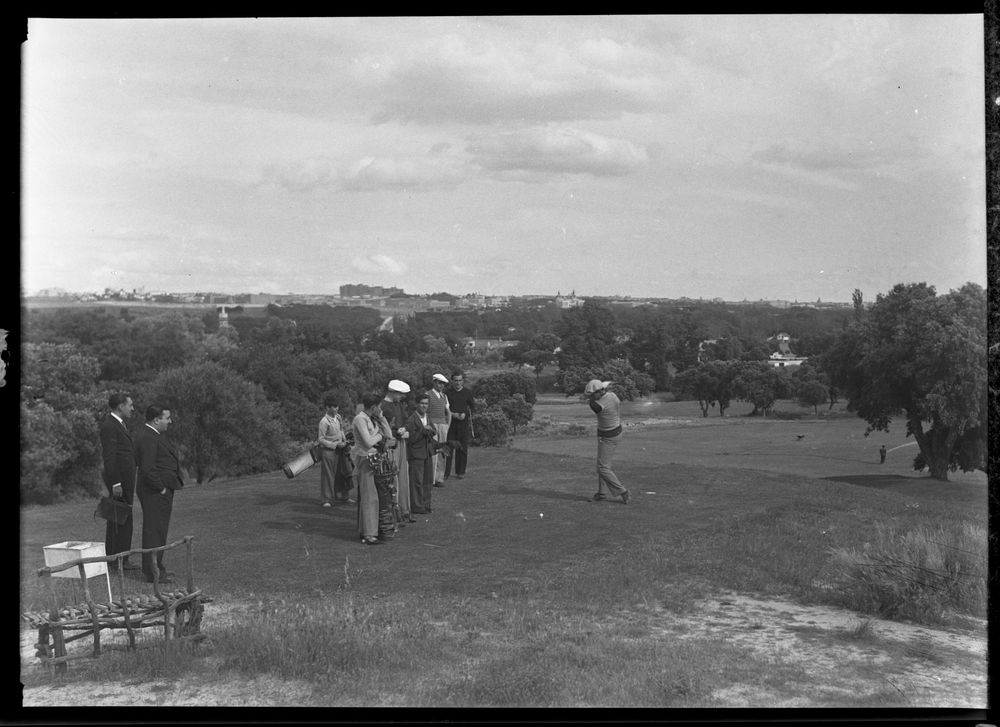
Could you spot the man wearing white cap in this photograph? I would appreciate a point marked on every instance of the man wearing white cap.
(439, 414)
(395, 413)
(606, 405)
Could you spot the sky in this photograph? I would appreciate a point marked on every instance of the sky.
(795, 157)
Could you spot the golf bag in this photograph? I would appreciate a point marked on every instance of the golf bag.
(385, 471)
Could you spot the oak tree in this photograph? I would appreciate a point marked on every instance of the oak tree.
(921, 356)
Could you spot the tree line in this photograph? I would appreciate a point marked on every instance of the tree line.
(247, 396)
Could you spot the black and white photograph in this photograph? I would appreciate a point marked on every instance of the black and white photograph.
(542, 361)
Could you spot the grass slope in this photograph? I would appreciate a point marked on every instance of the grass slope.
(517, 590)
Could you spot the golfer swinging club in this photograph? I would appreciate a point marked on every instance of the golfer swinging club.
(609, 431)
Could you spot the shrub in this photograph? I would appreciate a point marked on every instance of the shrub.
(224, 425)
(517, 410)
(920, 574)
(497, 388)
(628, 382)
(59, 413)
(493, 428)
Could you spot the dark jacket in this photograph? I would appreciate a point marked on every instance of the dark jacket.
(116, 451)
(422, 439)
(157, 461)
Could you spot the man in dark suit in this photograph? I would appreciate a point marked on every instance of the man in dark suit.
(119, 474)
(420, 456)
(460, 402)
(159, 476)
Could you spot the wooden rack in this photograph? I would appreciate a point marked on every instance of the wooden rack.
(178, 612)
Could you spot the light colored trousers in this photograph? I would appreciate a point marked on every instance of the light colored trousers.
(606, 477)
(403, 478)
(438, 459)
(374, 506)
(328, 473)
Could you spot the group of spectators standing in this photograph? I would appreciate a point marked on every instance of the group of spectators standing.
(425, 433)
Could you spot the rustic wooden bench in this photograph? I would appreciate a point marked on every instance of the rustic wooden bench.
(178, 612)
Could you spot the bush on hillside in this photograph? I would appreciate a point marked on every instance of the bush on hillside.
(628, 383)
(497, 388)
(60, 410)
(493, 428)
(224, 425)
(517, 410)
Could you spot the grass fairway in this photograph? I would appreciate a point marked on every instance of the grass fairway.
(519, 591)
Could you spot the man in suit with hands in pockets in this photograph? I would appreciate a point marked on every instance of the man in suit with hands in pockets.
(159, 477)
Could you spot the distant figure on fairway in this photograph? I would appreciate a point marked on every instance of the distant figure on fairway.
(159, 476)
(606, 405)
(460, 430)
(440, 415)
(119, 474)
(881, 454)
(371, 430)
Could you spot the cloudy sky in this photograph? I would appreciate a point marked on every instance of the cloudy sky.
(742, 157)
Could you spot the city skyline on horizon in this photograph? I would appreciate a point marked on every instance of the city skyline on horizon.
(140, 290)
(791, 157)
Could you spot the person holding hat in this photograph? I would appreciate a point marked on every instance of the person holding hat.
(395, 414)
(606, 405)
(440, 417)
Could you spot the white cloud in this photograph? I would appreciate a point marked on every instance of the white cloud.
(557, 151)
(481, 79)
(366, 173)
(378, 263)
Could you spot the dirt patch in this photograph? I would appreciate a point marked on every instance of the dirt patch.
(838, 656)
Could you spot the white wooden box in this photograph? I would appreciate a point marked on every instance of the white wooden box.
(72, 550)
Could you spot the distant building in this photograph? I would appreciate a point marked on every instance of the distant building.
(483, 345)
(568, 301)
(703, 348)
(360, 290)
(784, 356)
